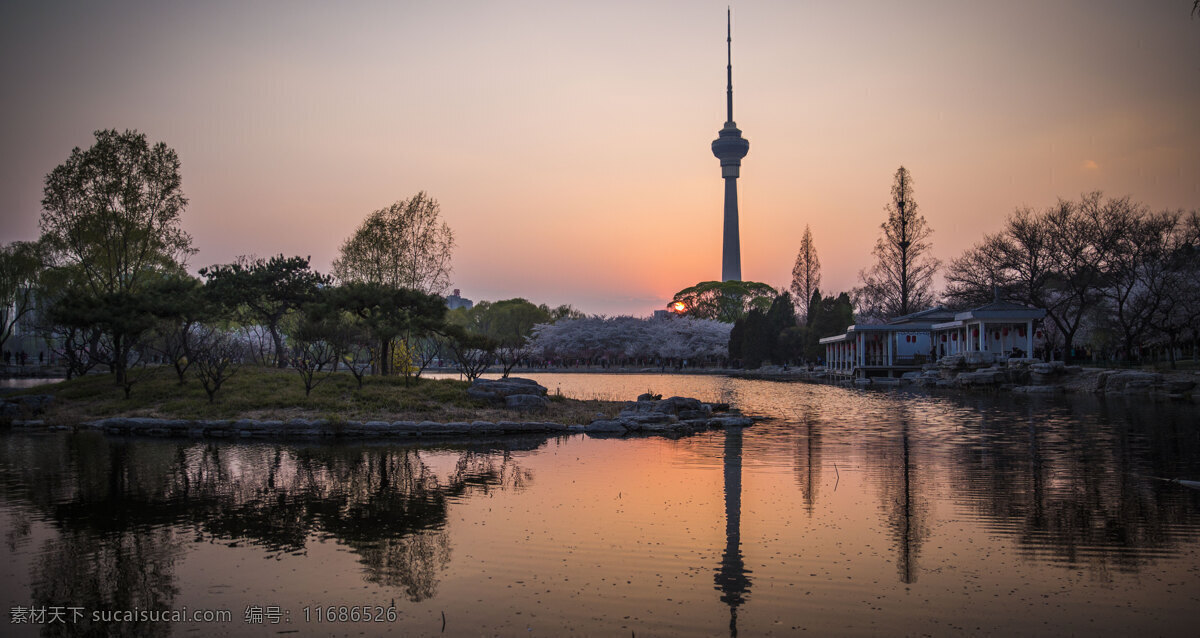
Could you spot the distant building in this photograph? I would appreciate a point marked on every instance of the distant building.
(25, 337)
(662, 314)
(457, 301)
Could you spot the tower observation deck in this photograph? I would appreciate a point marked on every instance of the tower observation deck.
(730, 147)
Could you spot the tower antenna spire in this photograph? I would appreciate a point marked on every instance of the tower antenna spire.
(729, 64)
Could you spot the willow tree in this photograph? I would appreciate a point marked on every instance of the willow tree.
(806, 274)
(21, 264)
(406, 245)
(901, 281)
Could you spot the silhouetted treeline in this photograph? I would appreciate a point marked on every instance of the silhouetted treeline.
(1110, 273)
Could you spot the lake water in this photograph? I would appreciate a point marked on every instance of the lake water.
(846, 513)
(21, 383)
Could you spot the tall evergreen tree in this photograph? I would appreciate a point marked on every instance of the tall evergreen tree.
(806, 274)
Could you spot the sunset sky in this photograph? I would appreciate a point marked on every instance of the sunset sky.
(568, 142)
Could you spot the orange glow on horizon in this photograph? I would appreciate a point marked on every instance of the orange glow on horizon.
(305, 120)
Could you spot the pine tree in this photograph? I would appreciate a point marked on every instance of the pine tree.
(901, 281)
(806, 274)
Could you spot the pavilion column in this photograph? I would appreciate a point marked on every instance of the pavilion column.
(982, 334)
(1029, 335)
(890, 336)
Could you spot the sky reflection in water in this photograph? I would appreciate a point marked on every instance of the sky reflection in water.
(848, 512)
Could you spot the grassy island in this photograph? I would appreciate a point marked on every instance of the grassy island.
(267, 393)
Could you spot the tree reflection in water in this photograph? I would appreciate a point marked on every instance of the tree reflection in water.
(125, 509)
(902, 498)
(1073, 491)
(808, 459)
(1064, 480)
(128, 570)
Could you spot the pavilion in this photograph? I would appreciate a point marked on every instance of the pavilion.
(906, 343)
(1001, 328)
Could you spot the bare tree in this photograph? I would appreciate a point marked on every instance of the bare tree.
(425, 350)
(405, 245)
(1178, 308)
(1048, 260)
(1137, 269)
(309, 358)
(1081, 241)
(972, 277)
(901, 281)
(218, 357)
(1088, 262)
(806, 274)
(73, 345)
(472, 353)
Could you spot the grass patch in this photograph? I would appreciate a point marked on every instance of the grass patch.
(269, 393)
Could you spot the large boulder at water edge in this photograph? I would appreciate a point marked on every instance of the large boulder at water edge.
(498, 390)
(1131, 381)
(675, 414)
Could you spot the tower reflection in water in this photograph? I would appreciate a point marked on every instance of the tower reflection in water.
(732, 576)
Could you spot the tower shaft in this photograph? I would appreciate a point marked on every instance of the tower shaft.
(730, 147)
(731, 252)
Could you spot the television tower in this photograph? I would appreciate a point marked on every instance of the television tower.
(730, 148)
